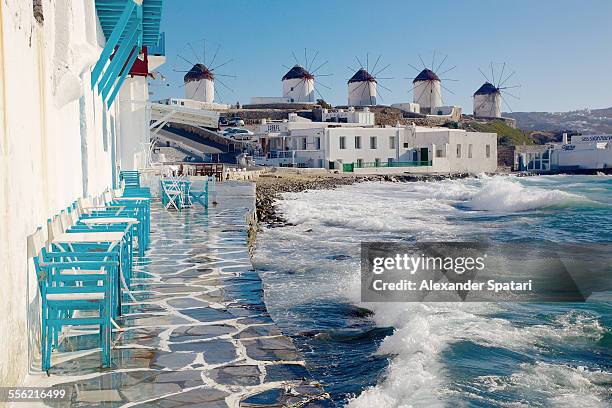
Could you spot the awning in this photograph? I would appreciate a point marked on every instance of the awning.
(128, 25)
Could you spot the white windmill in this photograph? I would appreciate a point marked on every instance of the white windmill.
(363, 86)
(199, 81)
(299, 81)
(488, 98)
(426, 86)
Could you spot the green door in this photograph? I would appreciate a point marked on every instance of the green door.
(424, 154)
(347, 167)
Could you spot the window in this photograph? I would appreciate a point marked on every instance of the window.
(377, 162)
(359, 162)
(292, 88)
(303, 143)
(458, 151)
(439, 153)
(357, 142)
(182, 103)
(488, 151)
(391, 142)
(318, 143)
(373, 142)
(342, 142)
(405, 145)
(470, 151)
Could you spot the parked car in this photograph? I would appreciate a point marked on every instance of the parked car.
(235, 122)
(192, 159)
(242, 134)
(230, 130)
(222, 121)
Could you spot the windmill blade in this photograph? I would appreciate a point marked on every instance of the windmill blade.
(384, 87)
(312, 61)
(286, 66)
(295, 58)
(305, 57)
(319, 93)
(363, 91)
(322, 84)
(367, 61)
(433, 59)
(384, 78)
(176, 70)
(509, 94)
(376, 63)
(492, 73)
(448, 70)
(439, 94)
(483, 74)
(212, 62)
(220, 65)
(319, 67)
(219, 95)
(359, 62)
(324, 75)
(185, 59)
(204, 51)
(226, 75)
(415, 68)
(506, 103)
(351, 69)
(507, 78)
(442, 63)
(227, 87)
(448, 90)
(382, 69)
(414, 87)
(422, 92)
(502, 74)
(510, 87)
(449, 79)
(422, 61)
(195, 92)
(302, 82)
(194, 51)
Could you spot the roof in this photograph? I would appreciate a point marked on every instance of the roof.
(199, 71)
(109, 12)
(361, 76)
(298, 72)
(426, 75)
(487, 89)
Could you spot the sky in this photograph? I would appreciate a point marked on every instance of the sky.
(561, 50)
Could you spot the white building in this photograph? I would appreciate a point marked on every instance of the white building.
(362, 89)
(426, 91)
(200, 84)
(587, 152)
(194, 104)
(71, 117)
(359, 149)
(487, 101)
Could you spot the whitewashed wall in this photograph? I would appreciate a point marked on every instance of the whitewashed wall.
(202, 90)
(299, 90)
(133, 124)
(55, 145)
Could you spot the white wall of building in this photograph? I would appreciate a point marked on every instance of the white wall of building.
(362, 93)
(56, 144)
(134, 119)
(299, 90)
(202, 90)
(488, 105)
(586, 152)
(427, 94)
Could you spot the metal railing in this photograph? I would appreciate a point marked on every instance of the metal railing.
(365, 165)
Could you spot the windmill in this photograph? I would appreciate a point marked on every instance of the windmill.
(299, 81)
(426, 86)
(489, 97)
(363, 85)
(199, 81)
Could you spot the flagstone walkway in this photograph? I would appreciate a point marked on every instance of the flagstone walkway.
(197, 333)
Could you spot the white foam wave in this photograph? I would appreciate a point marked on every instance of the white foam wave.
(502, 194)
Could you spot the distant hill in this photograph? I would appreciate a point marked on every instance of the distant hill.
(583, 121)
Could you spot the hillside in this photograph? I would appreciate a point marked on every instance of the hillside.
(506, 136)
(583, 121)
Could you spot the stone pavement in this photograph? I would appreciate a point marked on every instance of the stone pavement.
(198, 333)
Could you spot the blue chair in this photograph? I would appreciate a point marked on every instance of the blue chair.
(76, 289)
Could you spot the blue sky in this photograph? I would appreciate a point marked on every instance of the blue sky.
(561, 50)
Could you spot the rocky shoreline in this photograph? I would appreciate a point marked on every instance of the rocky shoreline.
(271, 185)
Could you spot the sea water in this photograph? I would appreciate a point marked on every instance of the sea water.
(439, 354)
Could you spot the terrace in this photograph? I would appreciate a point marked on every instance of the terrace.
(193, 328)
